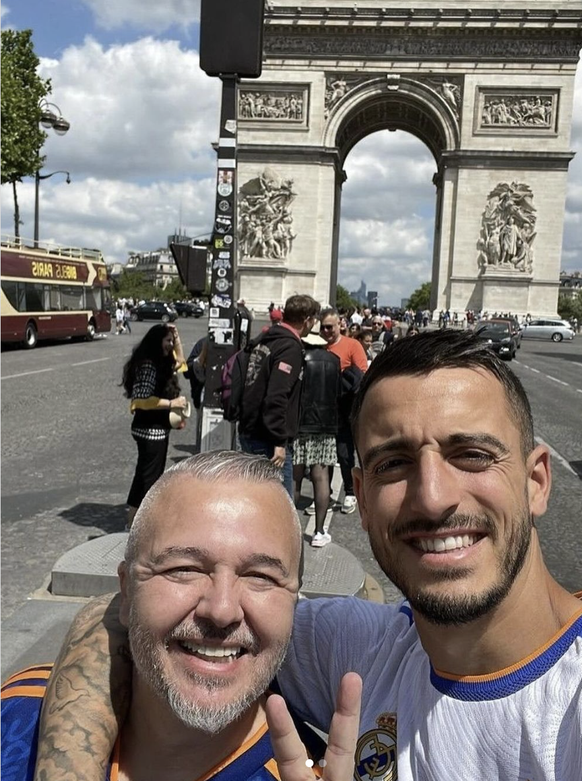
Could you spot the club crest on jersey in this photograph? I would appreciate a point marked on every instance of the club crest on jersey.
(376, 756)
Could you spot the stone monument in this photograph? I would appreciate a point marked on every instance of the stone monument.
(489, 90)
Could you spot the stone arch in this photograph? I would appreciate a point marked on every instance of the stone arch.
(469, 81)
(393, 103)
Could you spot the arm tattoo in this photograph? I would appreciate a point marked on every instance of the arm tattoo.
(87, 696)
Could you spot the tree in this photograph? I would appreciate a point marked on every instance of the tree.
(570, 308)
(420, 299)
(343, 300)
(22, 90)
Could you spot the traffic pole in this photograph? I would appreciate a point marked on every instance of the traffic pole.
(223, 330)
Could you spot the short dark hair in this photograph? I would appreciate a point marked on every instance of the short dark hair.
(328, 311)
(448, 349)
(298, 308)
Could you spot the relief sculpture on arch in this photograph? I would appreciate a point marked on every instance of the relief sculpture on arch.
(508, 229)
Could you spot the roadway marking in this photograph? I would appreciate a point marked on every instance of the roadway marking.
(555, 379)
(26, 374)
(95, 360)
(557, 456)
(549, 376)
(52, 368)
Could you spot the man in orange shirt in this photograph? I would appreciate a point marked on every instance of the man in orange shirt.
(353, 364)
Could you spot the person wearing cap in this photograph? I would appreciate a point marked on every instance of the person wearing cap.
(315, 446)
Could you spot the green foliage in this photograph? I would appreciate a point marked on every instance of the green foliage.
(22, 89)
(420, 299)
(343, 300)
(174, 291)
(131, 284)
(568, 307)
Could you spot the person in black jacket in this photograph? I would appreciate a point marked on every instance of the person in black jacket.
(269, 418)
(315, 445)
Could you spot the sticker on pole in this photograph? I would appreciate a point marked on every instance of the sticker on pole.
(224, 206)
(222, 285)
(230, 125)
(222, 301)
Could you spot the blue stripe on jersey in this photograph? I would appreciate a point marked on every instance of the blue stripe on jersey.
(407, 611)
(508, 684)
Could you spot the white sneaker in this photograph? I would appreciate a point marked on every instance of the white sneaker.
(349, 505)
(310, 509)
(319, 540)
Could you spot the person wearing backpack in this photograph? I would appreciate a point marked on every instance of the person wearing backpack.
(269, 413)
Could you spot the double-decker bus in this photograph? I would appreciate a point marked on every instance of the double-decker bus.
(52, 292)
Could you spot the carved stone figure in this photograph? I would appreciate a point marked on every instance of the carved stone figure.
(338, 85)
(265, 219)
(508, 228)
(272, 105)
(518, 111)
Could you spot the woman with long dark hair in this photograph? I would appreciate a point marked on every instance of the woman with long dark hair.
(150, 380)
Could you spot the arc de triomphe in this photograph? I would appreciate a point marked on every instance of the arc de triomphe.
(488, 90)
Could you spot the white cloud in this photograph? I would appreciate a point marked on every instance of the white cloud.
(387, 220)
(148, 15)
(115, 216)
(140, 110)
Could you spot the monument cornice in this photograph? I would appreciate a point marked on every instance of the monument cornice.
(462, 43)
(288, 153)
(461, 14)
(485, 158)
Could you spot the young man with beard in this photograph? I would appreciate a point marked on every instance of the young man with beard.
(208, 589)
(478, 673)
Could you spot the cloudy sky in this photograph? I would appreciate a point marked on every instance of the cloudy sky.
(143, 116)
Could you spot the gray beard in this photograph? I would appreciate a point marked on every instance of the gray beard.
(208, 719)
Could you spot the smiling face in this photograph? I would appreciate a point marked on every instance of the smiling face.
(209, 599)
(444, 491)
(168, 343)
(330, 329)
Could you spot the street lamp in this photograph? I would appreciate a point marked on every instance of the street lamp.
(48, 119)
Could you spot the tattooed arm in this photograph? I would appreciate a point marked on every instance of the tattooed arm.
(87, 696)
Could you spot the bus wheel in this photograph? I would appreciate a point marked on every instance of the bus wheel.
(90, 335)
(30, 336)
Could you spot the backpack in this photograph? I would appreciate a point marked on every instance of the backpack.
(234, 373)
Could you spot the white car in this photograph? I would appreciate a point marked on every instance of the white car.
(545, 328)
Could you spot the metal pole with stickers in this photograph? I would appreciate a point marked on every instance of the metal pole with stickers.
(231, 38)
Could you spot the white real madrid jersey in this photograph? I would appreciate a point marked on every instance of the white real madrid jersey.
(521, 724)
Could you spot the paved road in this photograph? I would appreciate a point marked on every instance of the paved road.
(68, 457)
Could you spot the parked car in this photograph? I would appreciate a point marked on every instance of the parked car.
(188, 309)
(499, 336)
(546, 328)
(154, 310)
(516, 328)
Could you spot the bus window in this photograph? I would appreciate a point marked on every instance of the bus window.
(54, 298)
(10, 290)
(94, 298)
(71, 298)
(34, 297)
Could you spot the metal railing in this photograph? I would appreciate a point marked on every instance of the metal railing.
(54, 250)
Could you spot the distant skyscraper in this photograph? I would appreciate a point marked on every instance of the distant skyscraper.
(360, 295)
(372, 299)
